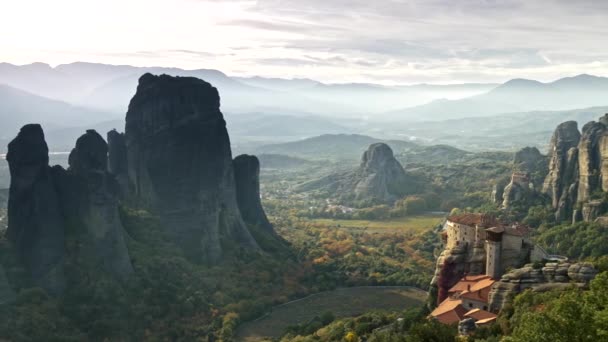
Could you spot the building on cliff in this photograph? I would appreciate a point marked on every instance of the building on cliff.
(478, 244)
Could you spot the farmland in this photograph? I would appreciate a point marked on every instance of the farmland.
(343, 302)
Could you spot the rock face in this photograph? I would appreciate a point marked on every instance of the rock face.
(247, 177)
(7, 295)
(45, 203)
(561, 183)
(180, 165)
(36, 226)
(380, 176)
(551, 276)
(117, 159)
(529, 170)
(95, 196)
(578, 170)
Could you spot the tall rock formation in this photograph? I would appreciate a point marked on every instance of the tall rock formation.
(578, 170)
(529, 169)
(93, 203)
(36, 226)
(180, 165)
(561, 183)
(247, 177)
(380, 176)
(117, 159)
(49, 205)
(593, 160)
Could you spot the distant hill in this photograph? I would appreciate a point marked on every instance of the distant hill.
(109, 88)
(517, 95)
(509, 131)
(18, 108)
(279, 161)
(332, 146)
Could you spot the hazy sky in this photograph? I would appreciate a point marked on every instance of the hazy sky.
(383, 41)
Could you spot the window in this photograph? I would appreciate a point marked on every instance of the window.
(470, 305)
(485, 308)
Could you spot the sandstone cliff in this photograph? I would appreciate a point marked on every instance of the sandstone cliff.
(180, 165)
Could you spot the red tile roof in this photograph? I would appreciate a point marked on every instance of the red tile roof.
(449, 311)
(464, 283)
(479, 314)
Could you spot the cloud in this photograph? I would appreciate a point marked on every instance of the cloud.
(331, 40)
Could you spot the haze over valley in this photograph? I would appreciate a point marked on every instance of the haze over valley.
(304, 171)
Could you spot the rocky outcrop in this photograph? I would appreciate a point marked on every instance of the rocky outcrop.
(592, 210)
(93, 202)
(551, 276)
(117, 159)
(49, 205)
(36, 225)
(561, 183)
(529, 170)
(578, 170)
(530, 160)
(180, 165)
(519, 189)
(591, 155)
(247, 177)
(380, 176)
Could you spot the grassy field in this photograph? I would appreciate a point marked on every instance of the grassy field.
(414, 224)
(344, 302)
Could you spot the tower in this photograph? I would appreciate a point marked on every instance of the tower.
(493, 252)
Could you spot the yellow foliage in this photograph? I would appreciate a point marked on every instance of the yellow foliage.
(350, 337)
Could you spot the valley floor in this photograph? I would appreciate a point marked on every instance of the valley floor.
(343, 302)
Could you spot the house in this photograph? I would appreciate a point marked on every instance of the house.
(467, 299)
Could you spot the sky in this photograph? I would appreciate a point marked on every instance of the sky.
(376, 41)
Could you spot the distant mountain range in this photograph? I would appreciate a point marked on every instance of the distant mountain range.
(518, 95)
(18, 107)
(259, 111)
(332, 146)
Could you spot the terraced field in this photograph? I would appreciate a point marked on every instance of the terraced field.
(344, 302)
